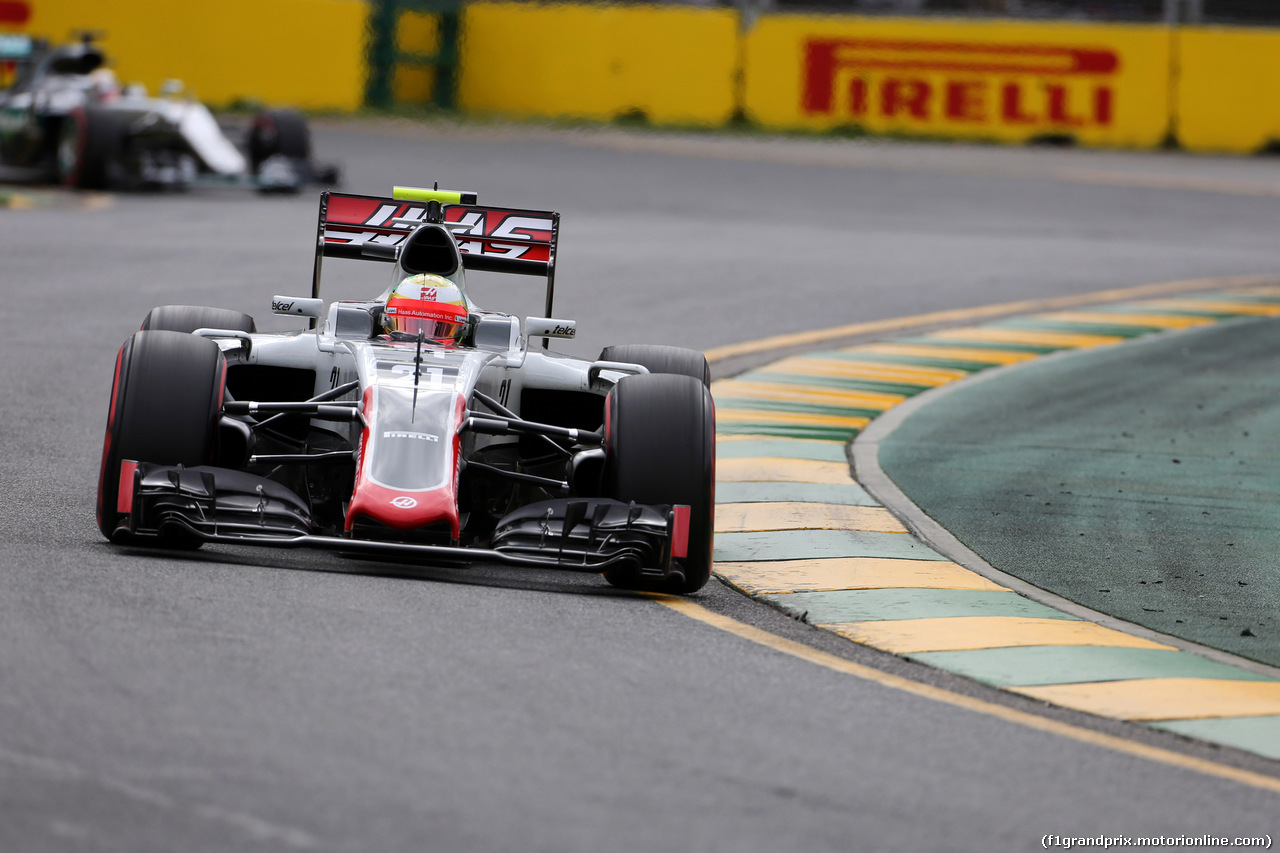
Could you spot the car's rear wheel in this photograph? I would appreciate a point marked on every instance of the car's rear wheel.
(660, 449)
(278, 132)
(188, 318)
(90, 141)
(165, 402)
(661, 359)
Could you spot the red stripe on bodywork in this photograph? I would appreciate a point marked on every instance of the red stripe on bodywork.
(124, 499)
(680, 531)
(106, 440)
(400, 509)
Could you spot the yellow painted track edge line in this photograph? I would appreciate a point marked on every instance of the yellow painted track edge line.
(1115, 743)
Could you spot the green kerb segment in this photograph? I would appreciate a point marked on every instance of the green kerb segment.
(920, 360)
(754, 404)
(818, 493)
(805, 544)
(996, 346)
(875, 605)
(821, 451)
(1037, 665)
(784, 430)
(1257, 298)
(1114, 330)
(838, 383)
(1255, 734)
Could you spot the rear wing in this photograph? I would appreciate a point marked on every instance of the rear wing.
(491, 239)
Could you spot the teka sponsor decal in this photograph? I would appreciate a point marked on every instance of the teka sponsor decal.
(963, 82)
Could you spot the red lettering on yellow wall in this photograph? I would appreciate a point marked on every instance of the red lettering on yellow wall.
(966, 100)
(910, 97)
(1102, 105)
(858, 96)
(14, 12)
(1011, 106)
(1060, 107)
(955, 82)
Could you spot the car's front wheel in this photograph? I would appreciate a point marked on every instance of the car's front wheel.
(188, 318)
(278, 133)
(660, 449)
(89, 143)
(657, 358)
(166, 399)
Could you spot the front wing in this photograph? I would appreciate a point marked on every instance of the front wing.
(207, 504)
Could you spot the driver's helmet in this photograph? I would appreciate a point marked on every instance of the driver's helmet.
(104, 84)
(428, 304)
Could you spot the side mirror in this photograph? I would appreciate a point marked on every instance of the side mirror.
(297, 306)
(547, 327)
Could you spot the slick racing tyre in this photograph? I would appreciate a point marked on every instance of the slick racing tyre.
(660, 449)
(661, 359)
(89, 143)
(278, 132)
(166, 399)
(188, 318)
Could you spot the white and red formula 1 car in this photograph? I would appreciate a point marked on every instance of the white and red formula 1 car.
(364, 436)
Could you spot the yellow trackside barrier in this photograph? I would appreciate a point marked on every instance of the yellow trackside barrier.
(1211, 88)
(671, 65)
(304, 53)
(998, 80)
(419, 32)
(1228, 80)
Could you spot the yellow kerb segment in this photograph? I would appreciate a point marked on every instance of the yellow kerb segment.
(768, 469)
(1255, 308)
(1025, 337)
(834, 573)
(962, 633)
(869, 370)
(1164, 698)
(803, 419)
(981, 356)
(785, 515)
(785, 392)
(1106, 318)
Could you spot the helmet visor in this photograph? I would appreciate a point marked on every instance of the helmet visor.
(437, 320)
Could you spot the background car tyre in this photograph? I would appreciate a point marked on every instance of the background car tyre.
(660, 449)
(661, 359)
(278, 132)
(165, 402)
(188, 318)
(90, 141)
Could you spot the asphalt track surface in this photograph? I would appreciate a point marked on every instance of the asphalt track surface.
(235, 699)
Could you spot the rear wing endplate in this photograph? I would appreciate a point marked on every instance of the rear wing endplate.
(491, 239)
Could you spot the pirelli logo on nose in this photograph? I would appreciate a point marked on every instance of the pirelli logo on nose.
(949, 83)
